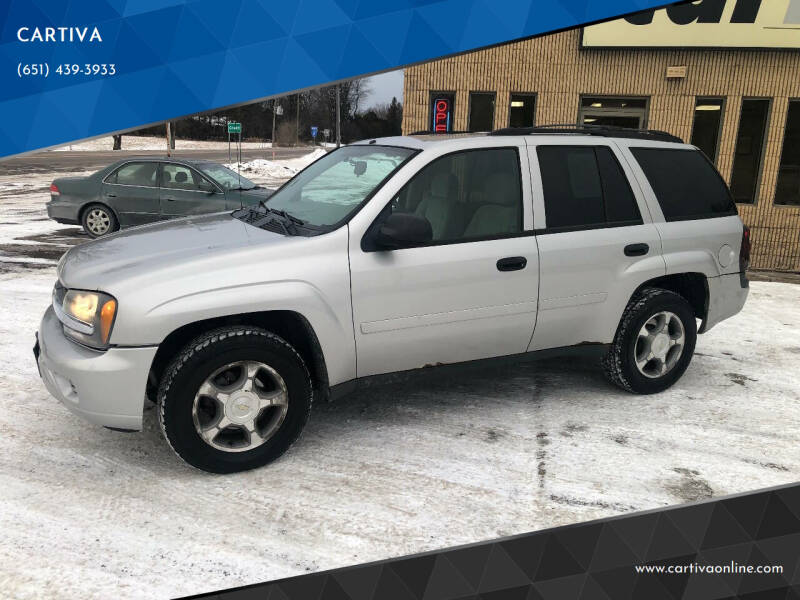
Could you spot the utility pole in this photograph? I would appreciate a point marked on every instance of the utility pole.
(297, 123)
(338, 118)
(169, 140)
(273, 123)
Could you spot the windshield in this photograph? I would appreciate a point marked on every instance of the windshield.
(230, 180)
(329, 189)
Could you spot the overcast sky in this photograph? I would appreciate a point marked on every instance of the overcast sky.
(384, 86)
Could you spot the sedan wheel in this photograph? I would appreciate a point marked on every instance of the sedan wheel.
(99, 221)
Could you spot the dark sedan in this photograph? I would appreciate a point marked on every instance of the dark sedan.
(142, 190)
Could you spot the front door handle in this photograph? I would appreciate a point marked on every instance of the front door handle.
(169, 199)
(512, 263)
(111, 195)
(636, 249)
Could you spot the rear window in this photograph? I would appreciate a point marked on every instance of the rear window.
(686, 184)
(584, 187)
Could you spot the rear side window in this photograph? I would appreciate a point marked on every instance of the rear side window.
(686, 184)
(585, 187)
(142, 174)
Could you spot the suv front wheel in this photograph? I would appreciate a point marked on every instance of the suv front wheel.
(654, 342)
(233, 399)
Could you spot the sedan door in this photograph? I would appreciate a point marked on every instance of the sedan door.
(131, 191)
(469, 294)
(184, 192)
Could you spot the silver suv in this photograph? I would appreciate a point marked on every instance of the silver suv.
(392, 255)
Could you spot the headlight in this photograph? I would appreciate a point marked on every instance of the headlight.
(87, 316)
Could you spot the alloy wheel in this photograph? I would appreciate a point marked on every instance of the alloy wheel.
(660, 344)
(240, 406)
(98, 221)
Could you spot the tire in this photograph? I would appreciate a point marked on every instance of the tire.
(643, 315)
(186, 415)
(98, 220)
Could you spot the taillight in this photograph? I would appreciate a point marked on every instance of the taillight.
(744, 251)
(54, 190)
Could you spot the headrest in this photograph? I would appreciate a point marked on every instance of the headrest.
(502, 188)
(444, 184)
(180, 177)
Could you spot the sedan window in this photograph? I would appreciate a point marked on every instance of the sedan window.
(179, 177)
(135, 173)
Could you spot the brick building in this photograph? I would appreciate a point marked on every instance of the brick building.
(723, 75)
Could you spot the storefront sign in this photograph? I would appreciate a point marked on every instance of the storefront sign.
(707, 23)
(442, 115)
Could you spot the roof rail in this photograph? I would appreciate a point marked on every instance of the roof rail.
(599, 130)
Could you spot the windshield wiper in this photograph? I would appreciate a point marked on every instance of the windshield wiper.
(282, 213)
(282, 219)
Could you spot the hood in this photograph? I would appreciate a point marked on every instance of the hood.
(144, 250)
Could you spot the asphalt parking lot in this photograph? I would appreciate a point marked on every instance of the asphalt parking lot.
(388, 471)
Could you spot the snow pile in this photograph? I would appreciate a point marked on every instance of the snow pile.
(275, 172)
(138, 142)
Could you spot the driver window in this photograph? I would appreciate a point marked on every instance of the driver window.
(467, 195)
(179, 177)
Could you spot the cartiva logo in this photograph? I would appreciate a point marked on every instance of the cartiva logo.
(711, 11)
(704, 24)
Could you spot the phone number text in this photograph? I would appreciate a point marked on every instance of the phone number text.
(66, 69)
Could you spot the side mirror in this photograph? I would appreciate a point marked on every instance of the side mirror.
(403, 230)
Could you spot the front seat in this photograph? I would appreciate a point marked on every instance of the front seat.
(437, 204)
(501, 213)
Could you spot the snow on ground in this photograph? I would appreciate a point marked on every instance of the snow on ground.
(89, 513)
(140, 142)
(267, 172)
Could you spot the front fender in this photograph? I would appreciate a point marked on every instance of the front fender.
(331, 324)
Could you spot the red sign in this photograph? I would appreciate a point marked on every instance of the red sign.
(441, 115)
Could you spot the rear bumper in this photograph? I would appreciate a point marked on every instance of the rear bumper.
(63, 212)
(106, 388)
(726, 297)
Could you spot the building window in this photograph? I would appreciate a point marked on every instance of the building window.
(481, 111)
(522, 110)
(749, 149)
(613, 112)
(707, 125)
(442, 111)
(788, 188)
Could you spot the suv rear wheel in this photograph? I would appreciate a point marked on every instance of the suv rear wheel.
(233, 399)
(654, 342)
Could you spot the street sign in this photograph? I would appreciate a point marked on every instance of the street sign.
(314, 131)
(279, 110)
(234, 127)
(326, 133)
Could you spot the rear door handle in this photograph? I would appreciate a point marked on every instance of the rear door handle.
(169, 199)
(111, 195)
(512, 263)
(636, 249)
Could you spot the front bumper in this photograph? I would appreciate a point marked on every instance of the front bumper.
(106, 388)
(726, 297)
